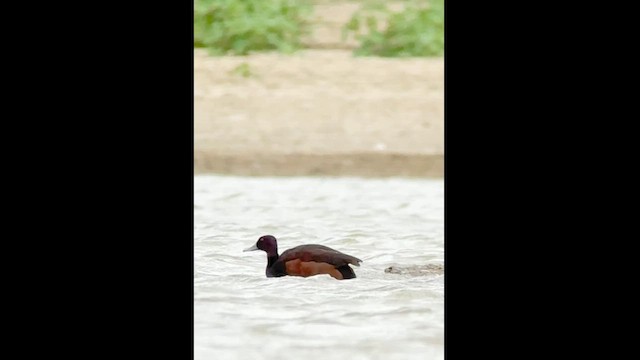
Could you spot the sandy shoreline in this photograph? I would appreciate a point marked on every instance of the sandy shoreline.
(319, 112)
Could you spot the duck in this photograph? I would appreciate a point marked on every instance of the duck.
(305, 260)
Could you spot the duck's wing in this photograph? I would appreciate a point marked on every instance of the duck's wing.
(319, 253)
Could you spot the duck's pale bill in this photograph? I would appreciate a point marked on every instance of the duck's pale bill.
(254, 247)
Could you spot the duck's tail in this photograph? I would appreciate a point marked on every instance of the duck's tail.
(346, 271)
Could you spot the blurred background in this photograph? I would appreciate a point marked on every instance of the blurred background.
(319, 122)
(319, 87)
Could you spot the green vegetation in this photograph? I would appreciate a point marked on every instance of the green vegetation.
(418, 30)
(243, 70)
(238, 27)
(241, 26)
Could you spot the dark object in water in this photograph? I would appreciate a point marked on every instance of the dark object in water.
(305, 260)
(416, 270)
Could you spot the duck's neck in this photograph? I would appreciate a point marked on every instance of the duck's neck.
(271, 259)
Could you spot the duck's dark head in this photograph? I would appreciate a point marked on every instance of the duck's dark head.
(267, 244)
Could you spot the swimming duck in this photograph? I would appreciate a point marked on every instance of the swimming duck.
(305, 260)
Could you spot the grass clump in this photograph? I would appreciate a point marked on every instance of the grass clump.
(239, 27)
(417, 30)
(243, 70)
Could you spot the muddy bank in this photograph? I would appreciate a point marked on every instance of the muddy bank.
(350, 164)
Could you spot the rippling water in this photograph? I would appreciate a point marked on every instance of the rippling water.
(241, 314)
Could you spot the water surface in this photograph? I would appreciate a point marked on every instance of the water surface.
(241, 314)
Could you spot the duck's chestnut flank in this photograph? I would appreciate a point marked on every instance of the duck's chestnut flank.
(305, 260)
